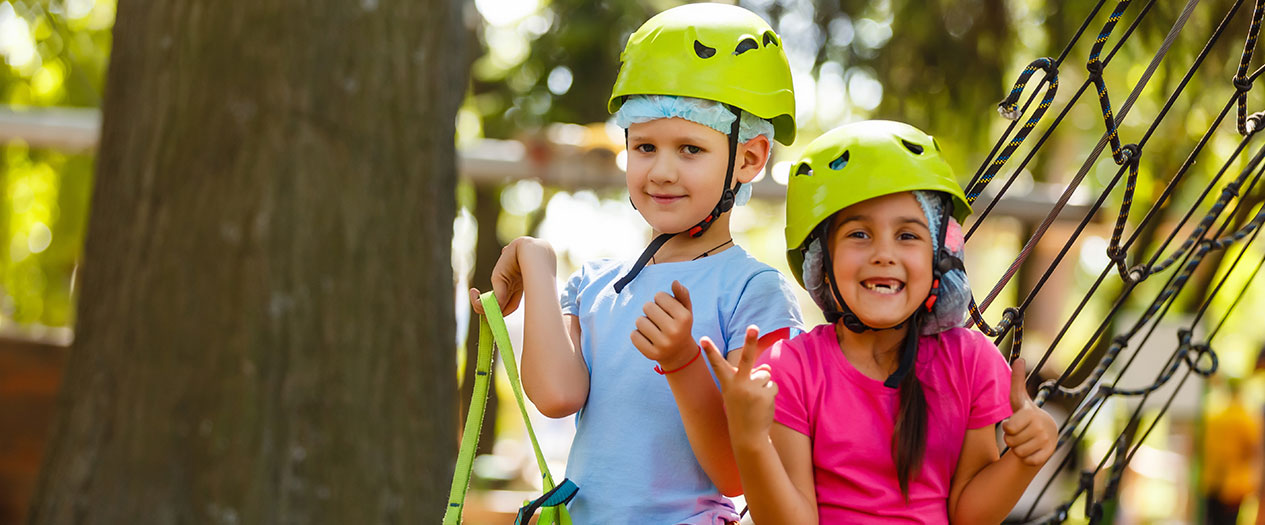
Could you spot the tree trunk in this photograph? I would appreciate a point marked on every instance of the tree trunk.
(266, 329)
(487, 250)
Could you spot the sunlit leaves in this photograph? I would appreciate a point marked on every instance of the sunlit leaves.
(55, 55)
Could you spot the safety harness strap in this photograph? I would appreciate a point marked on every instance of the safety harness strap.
(492, 329)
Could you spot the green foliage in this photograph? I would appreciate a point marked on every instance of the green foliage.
(56, 54)
(577, 40)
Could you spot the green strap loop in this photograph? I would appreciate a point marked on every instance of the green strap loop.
(492, 329)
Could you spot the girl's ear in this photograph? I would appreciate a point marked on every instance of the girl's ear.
(752, 156)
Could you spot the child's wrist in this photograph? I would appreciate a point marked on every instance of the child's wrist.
(679, 362)
(540, 257)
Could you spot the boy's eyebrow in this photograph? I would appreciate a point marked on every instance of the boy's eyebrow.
(679, 139)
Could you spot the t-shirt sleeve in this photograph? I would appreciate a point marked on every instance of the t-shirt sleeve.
(570, 296)
(787, 369)
(767, 302)
(990, 384)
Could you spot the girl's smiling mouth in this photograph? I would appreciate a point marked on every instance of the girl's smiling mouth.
(883, 286)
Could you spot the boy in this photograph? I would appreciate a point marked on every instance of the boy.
(701, 90)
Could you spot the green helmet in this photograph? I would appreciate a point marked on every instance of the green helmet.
(857, 162)
(715, 52)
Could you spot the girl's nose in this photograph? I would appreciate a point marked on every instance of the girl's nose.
(884, 253)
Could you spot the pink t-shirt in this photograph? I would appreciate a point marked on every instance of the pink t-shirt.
(849, 419)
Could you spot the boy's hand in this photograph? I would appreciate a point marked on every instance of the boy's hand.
(748, 392)
(1031, 433)
(663, 334)
(524, 254)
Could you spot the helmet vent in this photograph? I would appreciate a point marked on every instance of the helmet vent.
(770, 39)
(917, 149)
(747, 44)
(840, 162)
(804, 169)
(703, 51)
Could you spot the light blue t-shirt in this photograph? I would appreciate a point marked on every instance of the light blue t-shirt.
(630, 457)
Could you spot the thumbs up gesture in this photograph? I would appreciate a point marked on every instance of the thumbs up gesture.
(1030, 432)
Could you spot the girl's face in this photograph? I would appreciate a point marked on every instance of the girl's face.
(881, 255)
(676, 170)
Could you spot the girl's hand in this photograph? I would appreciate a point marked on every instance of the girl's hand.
(524, 254)
(1031, 433)
(663, 334)
(748, 393)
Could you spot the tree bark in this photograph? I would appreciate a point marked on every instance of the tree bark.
(266, 326)
(487, 250)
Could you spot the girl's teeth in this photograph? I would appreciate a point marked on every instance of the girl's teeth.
(883, 288)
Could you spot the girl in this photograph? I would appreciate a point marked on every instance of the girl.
(886, 414)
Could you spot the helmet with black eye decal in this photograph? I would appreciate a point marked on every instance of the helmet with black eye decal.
(857, 162)
(715, 52)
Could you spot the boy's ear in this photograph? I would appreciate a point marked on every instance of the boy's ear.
(752, 156)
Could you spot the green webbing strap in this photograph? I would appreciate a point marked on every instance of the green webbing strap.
(492, 328)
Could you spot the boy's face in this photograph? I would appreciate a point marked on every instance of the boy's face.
(676, 170)
(880, 250)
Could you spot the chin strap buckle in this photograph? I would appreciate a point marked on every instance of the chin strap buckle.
(701, 226)
(931, 298)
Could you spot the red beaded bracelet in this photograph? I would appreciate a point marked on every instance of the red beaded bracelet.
(663, 372)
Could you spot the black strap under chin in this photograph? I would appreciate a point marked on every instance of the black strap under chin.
(641, 261)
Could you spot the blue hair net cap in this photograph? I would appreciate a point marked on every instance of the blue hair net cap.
(955, 291)
(645, 108)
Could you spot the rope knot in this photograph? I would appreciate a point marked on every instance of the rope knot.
(1095, 68)
(1130, 153)
(1254, 122)
(1116, 254)
(1138, 274)
(1231, 189)
(1242, 84)
(1200, 350)
(1009, 317)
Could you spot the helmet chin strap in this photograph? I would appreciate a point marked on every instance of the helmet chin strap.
(725, 204)
(941, 263)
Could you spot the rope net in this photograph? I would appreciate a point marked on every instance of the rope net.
(1143, 275)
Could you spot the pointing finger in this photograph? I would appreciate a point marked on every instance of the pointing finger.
(750, 350)
(724, 372)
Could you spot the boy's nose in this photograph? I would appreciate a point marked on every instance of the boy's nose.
(662, 171)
